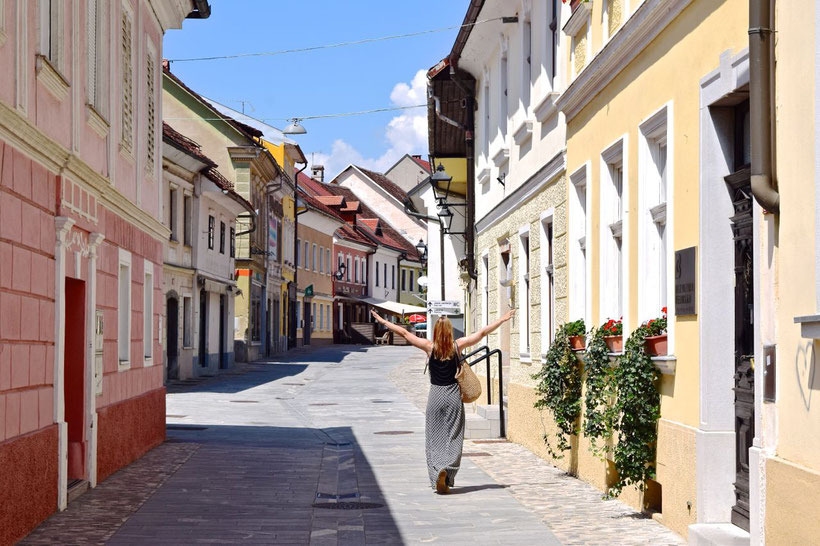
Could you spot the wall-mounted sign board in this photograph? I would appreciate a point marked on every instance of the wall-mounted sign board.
(686, 281)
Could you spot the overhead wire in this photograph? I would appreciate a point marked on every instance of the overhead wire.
(331, 46)
(245, 117)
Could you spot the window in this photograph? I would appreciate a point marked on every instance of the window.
(211, 229)
(552, 42)
(150, 108)
(341, 260)
(524, 291)
(187, 318)
(233, 243)
(327, 259)
(298, 314)
(547, 284)
(503, 97)
(578, 244)
(95, 28)
(485, 128)
(313, 261)
(347, 268)
(298, 252)
(403, 280)
(392, 276)
(385, 276)
(321, 259)
(613, 16)
(364, 271)
(526, 68)
(653, 253)
(222, 237)
(187, 227)
(321, 317)
(148, 312)
(313, 319)
(50, 35)
(612, 227)
(377, 273)
(124, 309)
(256, 313)
(127, 82)
(356, 269)
(306, 255)
(412, 285)
(172, 214)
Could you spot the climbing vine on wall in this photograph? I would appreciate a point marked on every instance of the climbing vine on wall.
(559, 391)
(599, 411)
(638, 409)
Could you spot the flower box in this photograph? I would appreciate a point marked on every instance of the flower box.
(615, 344)
(578, 343)
(656, 345)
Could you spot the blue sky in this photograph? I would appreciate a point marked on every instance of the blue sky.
(346, 79)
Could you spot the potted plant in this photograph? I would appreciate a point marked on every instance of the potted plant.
(656, 343)
(613, 335)
(576, 331)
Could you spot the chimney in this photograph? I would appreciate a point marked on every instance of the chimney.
(318, 173)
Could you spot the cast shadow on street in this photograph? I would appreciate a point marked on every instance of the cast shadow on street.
(474, 488)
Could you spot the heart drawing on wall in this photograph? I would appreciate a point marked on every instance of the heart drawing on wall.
(805, 365)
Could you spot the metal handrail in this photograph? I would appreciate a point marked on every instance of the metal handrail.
(486, 351)
(487, 356)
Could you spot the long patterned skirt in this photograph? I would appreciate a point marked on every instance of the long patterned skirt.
(444, 432)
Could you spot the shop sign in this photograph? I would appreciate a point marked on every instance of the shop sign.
(685, 281)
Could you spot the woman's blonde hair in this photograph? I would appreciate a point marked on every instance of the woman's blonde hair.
(443, 346)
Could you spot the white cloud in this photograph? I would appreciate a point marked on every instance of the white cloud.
(405, 133)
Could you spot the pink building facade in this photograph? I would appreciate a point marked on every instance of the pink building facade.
(81, 308)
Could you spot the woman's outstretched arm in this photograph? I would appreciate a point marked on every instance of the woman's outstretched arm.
(472, 339)
(423, 344)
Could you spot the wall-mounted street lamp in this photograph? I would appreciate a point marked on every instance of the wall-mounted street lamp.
(340, 271)
(440, 181)
(422, 248)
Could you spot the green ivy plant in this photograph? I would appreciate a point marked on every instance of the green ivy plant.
(559, 390)
(638, 409)
(599, 411)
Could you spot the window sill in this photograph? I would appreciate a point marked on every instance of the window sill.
(666, 364)
(809, 326)
(525, 358)
(127, 154)
(501, 156)
(148, 361)
(123, 365)
(95, 120)
(578, 19)
(523, 132)
(546, 108)
(51, 78)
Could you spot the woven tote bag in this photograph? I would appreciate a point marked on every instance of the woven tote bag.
(467, 381)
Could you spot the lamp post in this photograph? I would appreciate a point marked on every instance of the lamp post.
(295, 128)
(340, 271)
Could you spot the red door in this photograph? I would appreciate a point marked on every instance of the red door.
(75, 377)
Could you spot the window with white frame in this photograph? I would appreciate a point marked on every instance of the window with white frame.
(339, 261)
(327, 260)
(485, 118)
(187, 321)
(404, 280)
(127, 81)
(298, 252)
(321, 317)
(313, 319)
(364, 271)
(321, 259)
(377, 273)
(547, 283)
(187, 212)
(578, 244)
(95, 29)
(51, 18)
(356, 269)
(172, 213)
(653, 235)
(485, 290)
(526, 64)
(348, 272)
(393, 276)
(124, 309)
(612, 231)
(148, 312)
(412, 281)
(524, 291)
(314, 264)
(306, 265)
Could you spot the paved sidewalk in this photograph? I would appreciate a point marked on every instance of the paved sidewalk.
(572, 509)
(321, 449)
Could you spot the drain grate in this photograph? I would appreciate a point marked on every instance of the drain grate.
(477, 454)
(295, 384)
(245, 401)
(175, 416)
(348, 505)
(331, 496)
(382, 401)
(185, 427)
(393, 432)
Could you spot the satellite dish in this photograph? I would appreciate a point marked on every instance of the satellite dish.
(422, 281)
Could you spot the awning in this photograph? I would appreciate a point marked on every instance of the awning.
(394, 306)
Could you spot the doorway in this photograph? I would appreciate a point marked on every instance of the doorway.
(275, 327)
(74, 384)
(172, 341)
(203, 328)
(307, 322)
(222, 310)
(504, 302)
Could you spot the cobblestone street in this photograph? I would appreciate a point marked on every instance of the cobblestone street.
(327, 447)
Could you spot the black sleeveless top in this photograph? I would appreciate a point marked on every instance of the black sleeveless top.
(443, 372)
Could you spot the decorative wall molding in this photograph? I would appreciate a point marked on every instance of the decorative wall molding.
(97, 123)
(645, 24)
(578, 19)
(20, 133)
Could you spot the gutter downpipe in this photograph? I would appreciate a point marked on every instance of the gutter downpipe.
(761, 105)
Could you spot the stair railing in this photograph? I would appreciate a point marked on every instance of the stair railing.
(488, 354)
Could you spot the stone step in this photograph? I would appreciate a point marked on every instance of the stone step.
(482, 423)
(717, 534)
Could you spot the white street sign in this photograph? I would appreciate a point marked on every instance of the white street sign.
(445, 307)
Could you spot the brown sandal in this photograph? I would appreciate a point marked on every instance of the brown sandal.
(441, 484)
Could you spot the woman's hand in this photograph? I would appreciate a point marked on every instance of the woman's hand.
(508, 315)
(377, 317)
